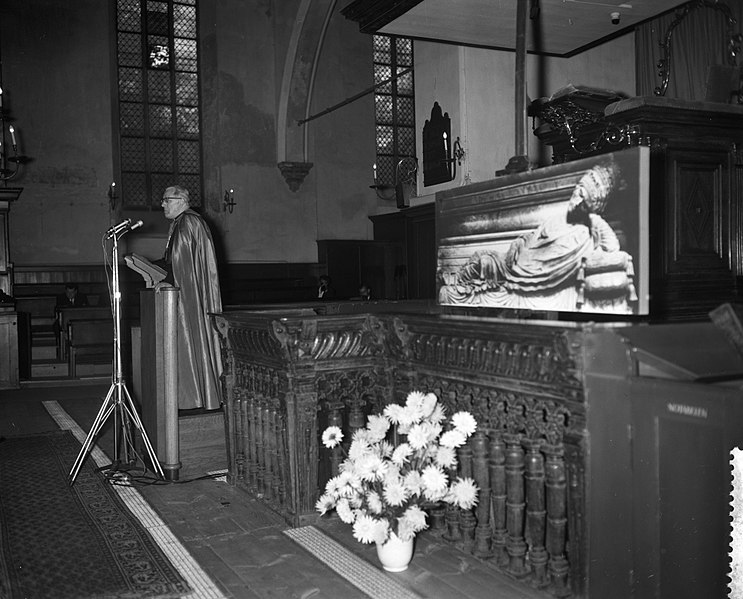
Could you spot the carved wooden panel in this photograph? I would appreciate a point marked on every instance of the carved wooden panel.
(697, 213)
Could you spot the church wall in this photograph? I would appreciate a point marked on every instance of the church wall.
(57, 71)
(56, 83)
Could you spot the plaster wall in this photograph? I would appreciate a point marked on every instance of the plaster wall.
(59, 77)
(476, 87)
(56, 86)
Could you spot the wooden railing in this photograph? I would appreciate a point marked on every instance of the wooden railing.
(291, 374)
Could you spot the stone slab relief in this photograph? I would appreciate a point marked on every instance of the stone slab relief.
(566, 238)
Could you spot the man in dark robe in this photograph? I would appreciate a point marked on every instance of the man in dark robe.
(191, 264)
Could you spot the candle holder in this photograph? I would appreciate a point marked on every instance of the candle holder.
(384, 192)
(15, 159)
(402, 188)
(457, 155)
(229, 200)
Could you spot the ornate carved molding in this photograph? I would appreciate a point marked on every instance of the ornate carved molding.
(303, 341)
(294, 173)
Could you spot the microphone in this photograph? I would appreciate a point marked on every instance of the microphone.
(123, 227)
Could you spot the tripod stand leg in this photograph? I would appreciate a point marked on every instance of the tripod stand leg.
(131, 409)
(103, 413)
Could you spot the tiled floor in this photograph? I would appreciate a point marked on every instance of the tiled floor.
(230, 545)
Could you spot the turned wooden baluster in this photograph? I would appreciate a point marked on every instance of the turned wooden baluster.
(252, 444)
(515, 543)
(535, 510)
(466, 517)
(356, 418)
(480, 470)
(275, 452)
(259, 449)
(558, 566)
(283, 461)
(268, 441)
(336, 454)
(437, 519)
(453, 531)
(238, 420)
(497, 468)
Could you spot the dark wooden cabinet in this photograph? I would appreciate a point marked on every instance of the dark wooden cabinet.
(415, 229)
(696, 182)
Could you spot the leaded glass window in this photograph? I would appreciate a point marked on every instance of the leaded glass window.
(394, 104)
(158, 84)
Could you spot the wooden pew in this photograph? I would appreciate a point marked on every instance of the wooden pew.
(89, 341)
(65, 315)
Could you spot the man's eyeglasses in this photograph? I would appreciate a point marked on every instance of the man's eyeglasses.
(168, 199)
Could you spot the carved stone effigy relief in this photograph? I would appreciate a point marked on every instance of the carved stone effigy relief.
(569, 240)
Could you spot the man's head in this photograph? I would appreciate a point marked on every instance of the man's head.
(175, 201)
(70, 290)
(324, 281)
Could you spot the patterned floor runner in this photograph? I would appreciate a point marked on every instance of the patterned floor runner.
(77, 541)
(358, 572)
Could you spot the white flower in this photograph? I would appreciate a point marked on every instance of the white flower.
(370, 467)
(334, 486)
(344, 511)
(369, 530)
(359, 447)
(325, 503)
(378, 426)
(446, 457)
(332, 436)
(385, 449)
(401, 454)
(453, 438)
(434, 483)
(438, 415)
(430, 402)
(393, 413)
(394, 492)
(418, 436)
(409, 416)
(415, 399)
(349, 479)
(463, 492)
(414, 482)
(374, 502)
(411, 522)
(464, 422)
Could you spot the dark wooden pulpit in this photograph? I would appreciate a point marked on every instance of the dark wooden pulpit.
(155, 373)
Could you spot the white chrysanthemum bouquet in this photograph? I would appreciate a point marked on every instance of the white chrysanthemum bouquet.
(381, 487)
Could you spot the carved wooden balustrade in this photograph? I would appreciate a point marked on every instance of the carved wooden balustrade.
(291, 375)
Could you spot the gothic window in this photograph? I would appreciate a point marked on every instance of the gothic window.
(395, 104)
(158, 100)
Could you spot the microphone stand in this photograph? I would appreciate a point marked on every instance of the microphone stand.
(118, 400)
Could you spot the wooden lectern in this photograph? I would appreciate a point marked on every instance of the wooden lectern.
(154, 366)
(151, 273)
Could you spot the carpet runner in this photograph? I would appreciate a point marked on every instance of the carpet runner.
(75, 542)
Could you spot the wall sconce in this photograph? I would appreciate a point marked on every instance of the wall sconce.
(229, 200)
(112, 195)
(402, 188)
(453, 159)
(384, 192)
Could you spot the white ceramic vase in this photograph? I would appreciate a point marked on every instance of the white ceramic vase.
(395, 554)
